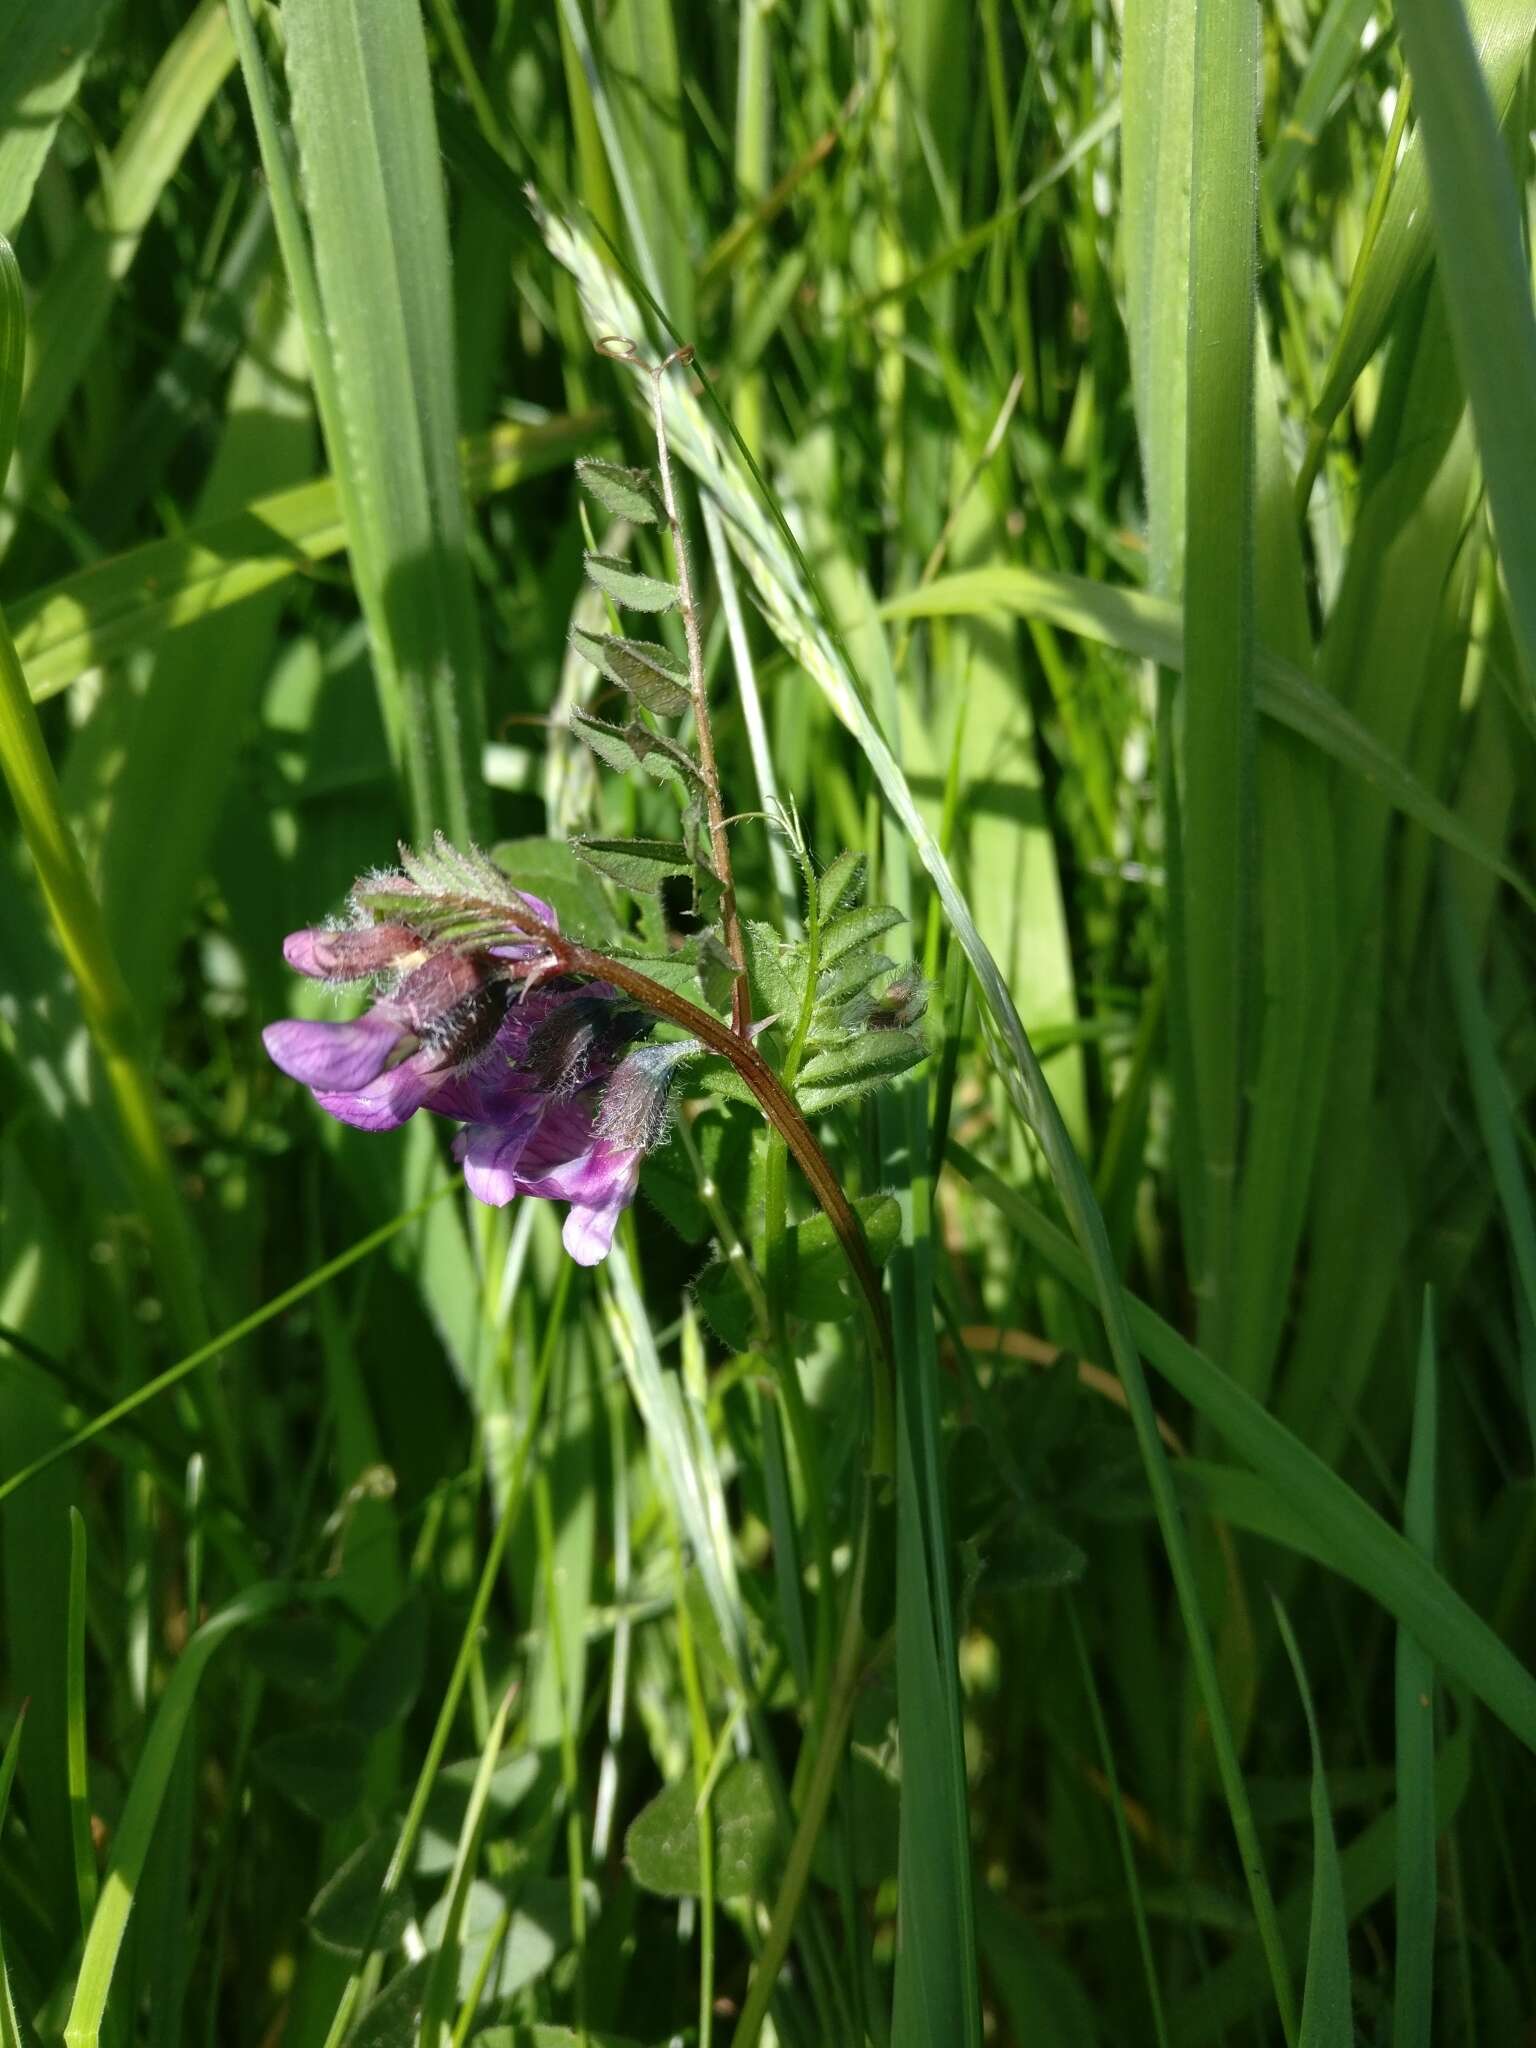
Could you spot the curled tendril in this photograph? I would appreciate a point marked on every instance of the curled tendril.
(618, 348)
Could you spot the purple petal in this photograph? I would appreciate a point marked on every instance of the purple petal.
(491, 1152)
(599, 1185)
(386, 1102)
(332, 1056)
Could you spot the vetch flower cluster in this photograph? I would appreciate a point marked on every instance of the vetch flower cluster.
(556, 1097)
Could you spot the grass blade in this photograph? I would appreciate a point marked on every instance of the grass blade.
(1401, 251)
(136, 1828)
(1479, 243)
(362, 103)
(79, 1784)
(1417, 1902)
(1325, 2010)
(43, 52)
(1216, 713)
(443, 1976)
(71, 310)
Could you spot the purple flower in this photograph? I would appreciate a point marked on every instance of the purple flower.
(552, 1149)
(467, 1034)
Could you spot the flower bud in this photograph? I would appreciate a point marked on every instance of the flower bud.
(636, 1107)
(350, 952)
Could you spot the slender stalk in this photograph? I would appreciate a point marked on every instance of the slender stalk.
(719, 839)
(818, 1792)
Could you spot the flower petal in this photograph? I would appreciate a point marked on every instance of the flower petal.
(332, 1056)
(388, 1101)
(491, 1152)
(599, 1184)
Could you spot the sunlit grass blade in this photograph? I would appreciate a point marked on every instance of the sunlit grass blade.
(43, 52)
(1335, 51)
(1404, 243)
(362, 105)
(1417, 1880)
(1480, 247)
(442, 1978)
(1216, 716)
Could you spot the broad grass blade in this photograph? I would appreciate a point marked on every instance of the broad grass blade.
(362, 104)
(43, 54)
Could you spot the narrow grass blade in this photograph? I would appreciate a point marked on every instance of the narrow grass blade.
(443, 1976)
(362, 103)
(1403, 246)
(134, 599)
(79, 1780)
(1417, 1889)
(1334, 53)
(136, 1827)
(1497, 1116)
(43, 53)
(1216, 715)
(1480, 247)
(1358, 1542)
(1325, 2009)
(10, 2031)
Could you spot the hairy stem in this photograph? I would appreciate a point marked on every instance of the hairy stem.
(719, 839)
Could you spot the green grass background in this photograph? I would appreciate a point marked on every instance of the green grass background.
(1111, 453)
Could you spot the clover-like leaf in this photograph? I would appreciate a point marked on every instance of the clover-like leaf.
(628, 586)
(627, 493)
(662, 1846)
(651, 673)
